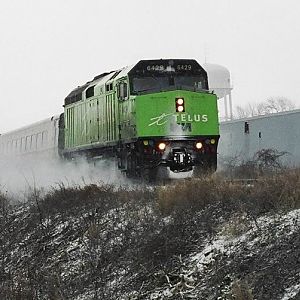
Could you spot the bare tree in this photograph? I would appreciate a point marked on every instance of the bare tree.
(276, 104)
(250, 110)
(269, 106)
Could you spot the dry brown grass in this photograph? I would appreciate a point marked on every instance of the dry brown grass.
(274, 192)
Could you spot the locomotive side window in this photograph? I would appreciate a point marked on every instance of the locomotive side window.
(34, 141)
(14, 146)
(8, 147)
(44, 138)
(109, 87)
(23, 144)
(90, 92)
(39, 140)
(31, 142)
(27, 143)
(122, 91)
(18, 146)
(125, 89)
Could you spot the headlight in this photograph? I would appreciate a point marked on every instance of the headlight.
(199, 145)
(161, 146)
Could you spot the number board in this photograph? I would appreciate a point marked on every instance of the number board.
(167, 66)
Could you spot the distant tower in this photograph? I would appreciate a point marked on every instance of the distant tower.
(219, 82)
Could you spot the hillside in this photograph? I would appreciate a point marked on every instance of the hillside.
(196, 239)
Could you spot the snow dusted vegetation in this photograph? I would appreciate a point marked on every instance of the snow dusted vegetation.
(204, 239)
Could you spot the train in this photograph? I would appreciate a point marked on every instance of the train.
(157, 114)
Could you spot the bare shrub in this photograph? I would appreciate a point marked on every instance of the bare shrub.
(268, 160)
(264, 162)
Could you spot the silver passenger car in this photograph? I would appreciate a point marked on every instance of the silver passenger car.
(39, 139)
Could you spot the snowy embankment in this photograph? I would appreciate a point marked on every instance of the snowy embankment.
(198, 239)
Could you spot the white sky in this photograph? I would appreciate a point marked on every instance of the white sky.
(49, 47)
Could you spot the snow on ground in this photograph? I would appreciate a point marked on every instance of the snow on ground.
(198, 263)
(227, 245)
(291, 292)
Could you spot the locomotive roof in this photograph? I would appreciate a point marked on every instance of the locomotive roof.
(76, 94)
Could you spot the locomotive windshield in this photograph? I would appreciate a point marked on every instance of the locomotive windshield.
(163, 75)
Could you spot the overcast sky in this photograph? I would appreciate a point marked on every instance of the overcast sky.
(50, 47)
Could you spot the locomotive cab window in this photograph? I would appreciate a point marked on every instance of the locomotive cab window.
(165, 75)
(162, 83)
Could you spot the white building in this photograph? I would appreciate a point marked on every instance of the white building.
(244, 137)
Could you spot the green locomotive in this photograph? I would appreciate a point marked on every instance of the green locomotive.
(157, 113)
